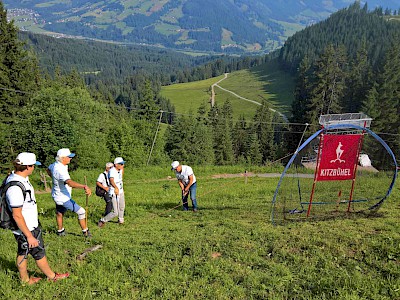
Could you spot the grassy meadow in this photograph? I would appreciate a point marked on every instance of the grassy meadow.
(263, 82)
(227, 250)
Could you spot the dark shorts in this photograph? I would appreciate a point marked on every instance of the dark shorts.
(38, 252)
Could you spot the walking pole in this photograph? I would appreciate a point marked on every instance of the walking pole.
(87, 205)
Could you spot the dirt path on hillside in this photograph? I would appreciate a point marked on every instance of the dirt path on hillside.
(212, 100)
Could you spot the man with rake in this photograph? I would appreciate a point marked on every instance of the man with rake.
(187, 183)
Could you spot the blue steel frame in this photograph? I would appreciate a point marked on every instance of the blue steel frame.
(333, 127)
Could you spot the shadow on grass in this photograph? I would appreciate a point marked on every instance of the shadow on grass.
(7, 264)
(279, 84)
(220, 208)
(159, 206)
(329, 217)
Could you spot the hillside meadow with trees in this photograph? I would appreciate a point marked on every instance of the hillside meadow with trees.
(228, 249)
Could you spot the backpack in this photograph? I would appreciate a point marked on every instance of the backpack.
(6, 219)
(99, 191)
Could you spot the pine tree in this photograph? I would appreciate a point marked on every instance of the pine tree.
(358, 82)
(328, 86)
(240, 139)
(383, 103)
(254, 156)
(147, 101)
(300, 104)
(264, 130)
(389, 95)
(19, 79)
(222, 135)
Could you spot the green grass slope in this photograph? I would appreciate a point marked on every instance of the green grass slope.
(187, 97)
(263, 82)
(227, 250)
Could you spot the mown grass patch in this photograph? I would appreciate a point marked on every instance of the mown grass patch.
(267, 82)
(189, 96)
(227, 250)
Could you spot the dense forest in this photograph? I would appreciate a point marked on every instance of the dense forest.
(348, 63)
(113, 63)
(47, 104)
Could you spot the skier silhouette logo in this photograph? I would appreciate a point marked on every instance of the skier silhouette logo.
(339, 152)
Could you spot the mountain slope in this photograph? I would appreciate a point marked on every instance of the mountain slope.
(206, 25)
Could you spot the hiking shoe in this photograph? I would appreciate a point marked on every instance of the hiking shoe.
(61, 233)
(59, 277)
(87, 234)
(101, 224)
(194, 209)
(34, 280)
(121, 223)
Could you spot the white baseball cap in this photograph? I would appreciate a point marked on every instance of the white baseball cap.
(119, 160)
(64, 152)
(27, 159)
(174, 165)
(109, 165)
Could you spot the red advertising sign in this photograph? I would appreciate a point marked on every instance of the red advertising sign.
(338, 157)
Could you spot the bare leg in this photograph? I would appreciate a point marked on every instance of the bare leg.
(82, 223)
(59, 219)
(45, 268)
(22, 265)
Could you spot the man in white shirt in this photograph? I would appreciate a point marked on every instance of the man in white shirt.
(25, 214)
(116, 191)
(62, 189)
(103, 184)
(187, 182)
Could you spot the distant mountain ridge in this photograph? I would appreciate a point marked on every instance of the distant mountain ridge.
(233, 26)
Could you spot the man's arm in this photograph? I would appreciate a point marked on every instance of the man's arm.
(99, 184)
(19, 219)
(186, 189)
(181, 185)
(75, 184)
(116, 189)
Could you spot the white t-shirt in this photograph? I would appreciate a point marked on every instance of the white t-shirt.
(184, 175)
(16, 199)
(117, 175)
(102, 179)
(61, 192)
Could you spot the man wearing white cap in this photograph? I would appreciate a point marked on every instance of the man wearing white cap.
(20, 196)
(187, 182)
(62, 189)
(116, 190)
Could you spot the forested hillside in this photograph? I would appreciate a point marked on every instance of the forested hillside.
(353, 27)
(348, 63)
(100, 60)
